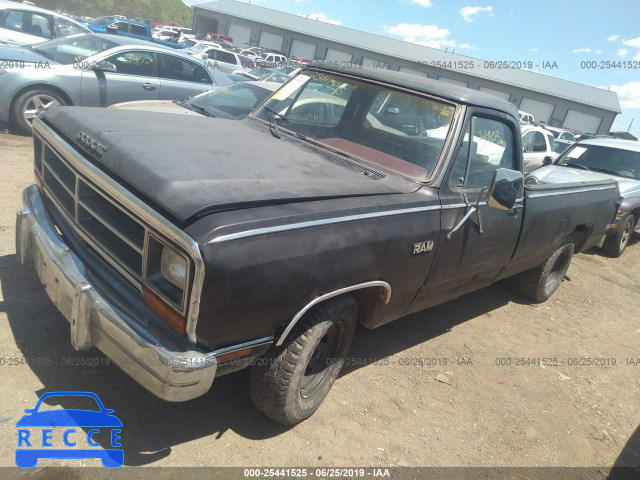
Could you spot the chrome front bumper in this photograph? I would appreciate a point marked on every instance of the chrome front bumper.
(174, 376)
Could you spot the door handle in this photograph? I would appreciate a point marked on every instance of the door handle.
(149, 86)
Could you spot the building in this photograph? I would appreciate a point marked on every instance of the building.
(557, 102)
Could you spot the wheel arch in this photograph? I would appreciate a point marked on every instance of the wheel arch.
(369, 296)
(580, 235)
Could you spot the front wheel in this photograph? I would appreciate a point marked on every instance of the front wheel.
(616, 243)
(290, 382)
(33, 102)
(541, 282)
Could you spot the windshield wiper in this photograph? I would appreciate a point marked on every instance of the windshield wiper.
(605, 170)
(577, 165)
(273, 125)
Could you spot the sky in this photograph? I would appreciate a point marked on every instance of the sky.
(566, 32)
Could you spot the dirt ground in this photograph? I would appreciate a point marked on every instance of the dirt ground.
(396, 404)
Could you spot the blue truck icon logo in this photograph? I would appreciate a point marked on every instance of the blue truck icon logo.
(32, 447)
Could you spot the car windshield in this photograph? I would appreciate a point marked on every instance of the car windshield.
(68, 50)
(231, 102)
(597, 158)
(388, 128)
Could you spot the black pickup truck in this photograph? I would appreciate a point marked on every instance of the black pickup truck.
(188, 250)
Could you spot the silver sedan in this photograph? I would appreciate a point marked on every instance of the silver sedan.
(95, 70)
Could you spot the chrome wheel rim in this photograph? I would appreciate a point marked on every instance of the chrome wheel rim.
(38, 104)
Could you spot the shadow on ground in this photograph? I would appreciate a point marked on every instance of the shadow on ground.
(152, 426)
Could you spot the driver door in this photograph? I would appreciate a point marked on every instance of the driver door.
(470, 260)
(122, 77)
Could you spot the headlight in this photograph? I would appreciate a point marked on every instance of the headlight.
(167, 272)
(173, 267)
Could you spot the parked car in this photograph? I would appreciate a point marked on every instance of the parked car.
(267, 74)
(105, 20)
(252, 54)
(199, 46)
(141, 31)
(148, 21)
(226, 61)
(262, 243)
(526, 117)
(271, 60)
(95, 70)
(218, 36)
(22, 24)
(599, 159)
(538, 145)
(563, 138)
(232, 102)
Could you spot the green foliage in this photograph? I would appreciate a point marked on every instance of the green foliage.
(163, 11)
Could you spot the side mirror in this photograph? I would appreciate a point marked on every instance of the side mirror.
(112, 29)
(104, 67)
(548, 160)
(505, 189)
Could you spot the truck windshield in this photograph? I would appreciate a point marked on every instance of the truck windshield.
(392, 129)
(597, 158)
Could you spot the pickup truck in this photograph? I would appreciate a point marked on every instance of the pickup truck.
(262, 243)
(130, 28)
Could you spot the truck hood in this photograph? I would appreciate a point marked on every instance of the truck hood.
(559, 174)
(190, 166)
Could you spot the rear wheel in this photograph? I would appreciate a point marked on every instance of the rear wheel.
(616, 243)
(33, 102)
(541, 282)
(290, 382)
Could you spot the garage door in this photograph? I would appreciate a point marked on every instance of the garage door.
(271, 40)
(583, 122)
(370, 62)
(498, 93)
(413, 72)
(241, 34)
(303, 49)
(337, 56)
(453, 81)
(541, 111)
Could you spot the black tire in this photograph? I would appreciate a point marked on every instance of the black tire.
(289, 383)
(35, 101)
(615, 243)
(541, 282)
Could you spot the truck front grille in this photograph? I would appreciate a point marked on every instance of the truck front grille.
(103, 223)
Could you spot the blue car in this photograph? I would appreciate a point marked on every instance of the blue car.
(110, 457)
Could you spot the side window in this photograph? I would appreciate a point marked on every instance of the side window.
(138, 30)
(133, 63)
(538, 143)
(227, 57)
(30, 23)
(64, 27)
(487, 145)
(121, 26)
(174, 68)
(527, 142)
